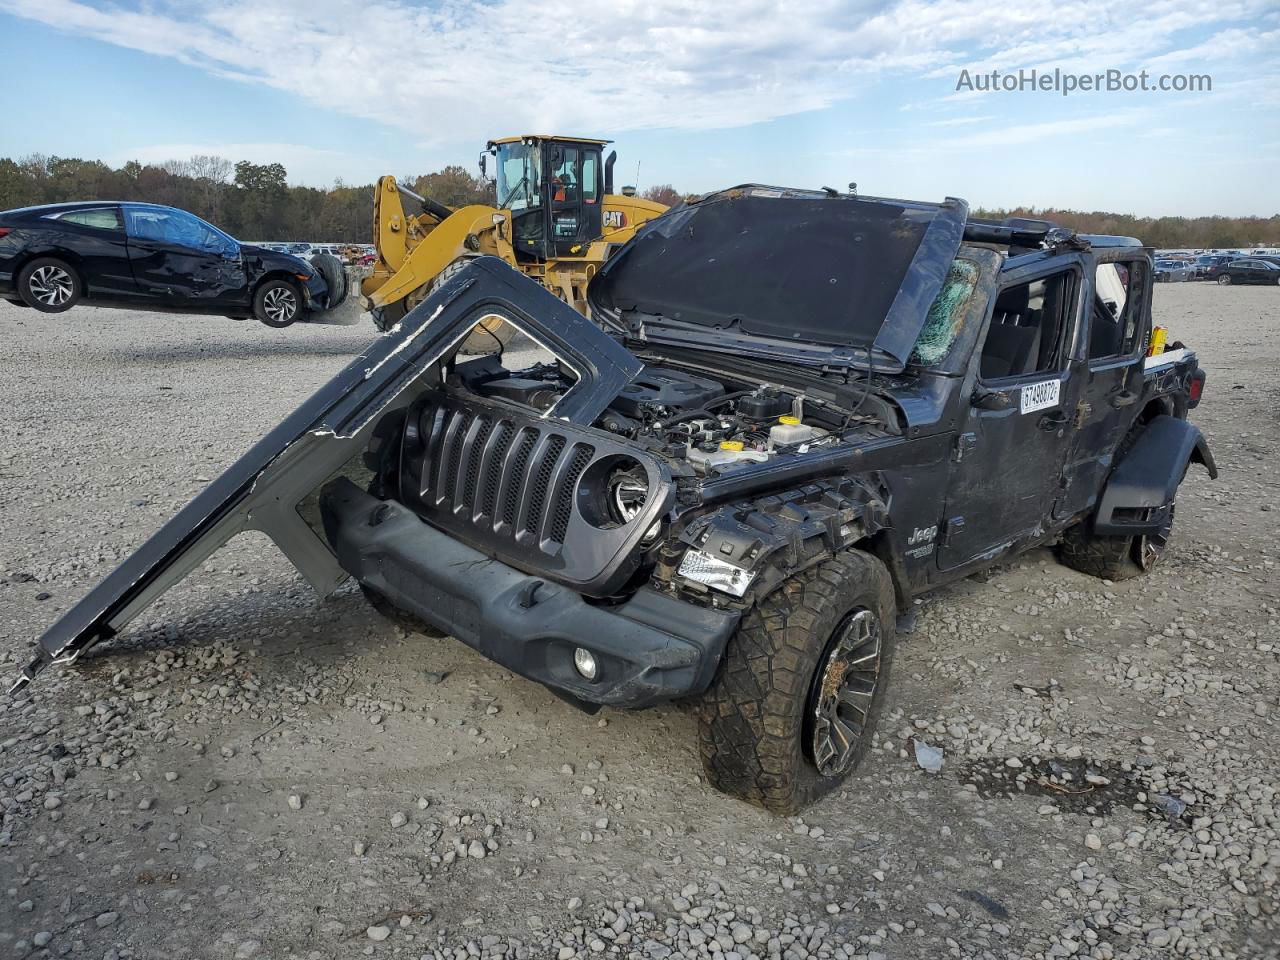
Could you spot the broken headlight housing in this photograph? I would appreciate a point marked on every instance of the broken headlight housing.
(715, 573)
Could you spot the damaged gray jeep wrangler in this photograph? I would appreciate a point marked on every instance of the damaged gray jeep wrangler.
(793, 413)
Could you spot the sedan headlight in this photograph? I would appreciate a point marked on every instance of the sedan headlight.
(715, 573)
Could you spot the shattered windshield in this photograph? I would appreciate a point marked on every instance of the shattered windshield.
(946, 314)
(519, 179)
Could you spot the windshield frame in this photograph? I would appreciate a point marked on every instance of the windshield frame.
(519, 175)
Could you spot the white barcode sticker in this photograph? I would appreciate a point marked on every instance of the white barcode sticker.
(1039, 396)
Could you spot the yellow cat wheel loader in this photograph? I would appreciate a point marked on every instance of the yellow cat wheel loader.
(557, 220)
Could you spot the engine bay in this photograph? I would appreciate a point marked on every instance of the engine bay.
(713, 425)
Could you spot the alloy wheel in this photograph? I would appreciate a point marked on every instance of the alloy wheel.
(1148, 549)
(846, 687)
(280, 304)
(51, 285)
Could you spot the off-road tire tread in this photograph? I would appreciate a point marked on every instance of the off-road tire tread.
(751, 720)
(1107, 558)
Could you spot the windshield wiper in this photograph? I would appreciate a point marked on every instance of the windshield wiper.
(505, 203)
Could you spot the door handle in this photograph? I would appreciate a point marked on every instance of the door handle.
(1053, 421)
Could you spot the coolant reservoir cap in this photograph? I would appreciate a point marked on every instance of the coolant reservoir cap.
(733, 445)
(789, 421)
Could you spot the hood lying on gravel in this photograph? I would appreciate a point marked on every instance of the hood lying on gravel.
(267, 489)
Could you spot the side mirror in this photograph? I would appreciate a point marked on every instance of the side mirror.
(484, 166)
(985, 399)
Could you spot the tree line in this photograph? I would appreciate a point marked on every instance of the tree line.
(255, 202)
(250, 201)
(1163, 233)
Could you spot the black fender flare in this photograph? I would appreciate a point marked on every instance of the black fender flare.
(1148, 476)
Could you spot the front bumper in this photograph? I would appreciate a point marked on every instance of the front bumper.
(649, 649)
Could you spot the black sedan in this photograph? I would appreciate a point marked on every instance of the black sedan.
(155, 257)
(1251, 270)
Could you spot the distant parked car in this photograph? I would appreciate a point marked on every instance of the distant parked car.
(1210, 265)
(155, 257)
(1251, 270)
(1172, 271)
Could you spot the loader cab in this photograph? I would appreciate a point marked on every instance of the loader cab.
(554, 188)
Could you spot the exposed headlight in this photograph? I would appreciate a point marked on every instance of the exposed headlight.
(627, 494)
(715, 573)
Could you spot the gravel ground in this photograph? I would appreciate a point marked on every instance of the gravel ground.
(250, 772)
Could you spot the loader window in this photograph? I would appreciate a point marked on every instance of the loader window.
(565, 175)
(590, 177)
(519, 177)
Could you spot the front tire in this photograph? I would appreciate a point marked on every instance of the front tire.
(277, 303)
(796, 699)
(50, 285)
(1224, 280)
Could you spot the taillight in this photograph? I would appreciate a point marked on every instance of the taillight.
(1195, 387)
(5, 231)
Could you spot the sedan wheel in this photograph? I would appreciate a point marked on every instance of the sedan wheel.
(277, 303)
(1224, 280)
(49, 285)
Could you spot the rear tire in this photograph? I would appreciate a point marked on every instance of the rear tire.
(277, 303)
(1111, 557)
(50, 285)
(796, 698)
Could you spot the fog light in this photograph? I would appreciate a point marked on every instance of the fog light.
(584, 660)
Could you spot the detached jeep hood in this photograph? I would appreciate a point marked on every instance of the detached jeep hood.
(797, 275)
(266, 488)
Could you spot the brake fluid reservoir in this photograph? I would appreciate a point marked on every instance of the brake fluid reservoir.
(789, 430)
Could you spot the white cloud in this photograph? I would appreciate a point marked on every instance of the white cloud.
(461, 70)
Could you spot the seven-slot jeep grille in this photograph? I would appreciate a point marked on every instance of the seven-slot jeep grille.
(503, 475)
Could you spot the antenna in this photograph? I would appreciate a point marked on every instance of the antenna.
(637, 176)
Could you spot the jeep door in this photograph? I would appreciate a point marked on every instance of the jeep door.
(1117, 325)
(1014, 434)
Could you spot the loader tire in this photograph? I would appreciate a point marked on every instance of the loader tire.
(805, 673)
(493, 336)
(335, 277)
(385, 318)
